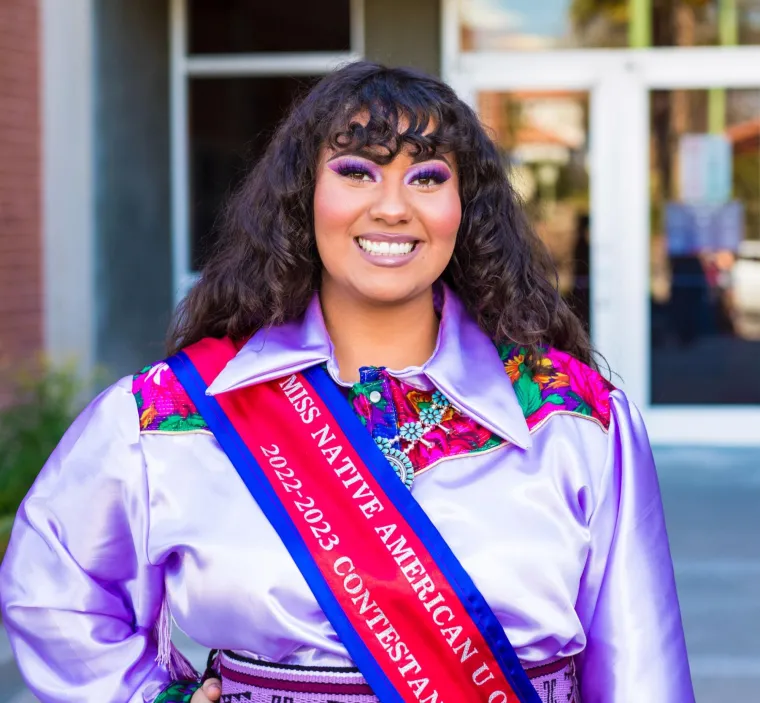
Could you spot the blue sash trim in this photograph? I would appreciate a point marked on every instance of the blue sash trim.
(256, 482)
(410, 509)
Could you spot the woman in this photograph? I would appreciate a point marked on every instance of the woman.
(377, 238)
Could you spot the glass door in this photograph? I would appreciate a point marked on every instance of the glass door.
(705, 247)
(558, 118)
(640, 168)
(701, 380)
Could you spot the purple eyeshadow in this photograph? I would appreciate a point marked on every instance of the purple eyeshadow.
(346, 166)
(439, 174)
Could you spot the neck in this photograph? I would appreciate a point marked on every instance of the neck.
(364, 333)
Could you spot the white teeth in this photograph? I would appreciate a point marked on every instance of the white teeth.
(386, 248)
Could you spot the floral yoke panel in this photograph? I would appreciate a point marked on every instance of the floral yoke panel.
(415, 429)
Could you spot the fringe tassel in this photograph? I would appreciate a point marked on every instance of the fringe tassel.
(179, 668)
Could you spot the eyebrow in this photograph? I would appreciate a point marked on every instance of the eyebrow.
(422, 156)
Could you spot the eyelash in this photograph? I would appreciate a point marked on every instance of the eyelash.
(350, 169)
(436, 175)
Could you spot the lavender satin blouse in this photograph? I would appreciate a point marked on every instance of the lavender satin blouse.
(559, 523)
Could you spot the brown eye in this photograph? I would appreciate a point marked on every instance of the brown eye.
(357, 175)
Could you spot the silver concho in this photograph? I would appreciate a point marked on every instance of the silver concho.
(402, 466)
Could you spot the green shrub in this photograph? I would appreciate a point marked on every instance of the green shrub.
(6, 522)
(44, 405)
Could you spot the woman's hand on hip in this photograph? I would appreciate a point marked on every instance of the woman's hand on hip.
(210, 692)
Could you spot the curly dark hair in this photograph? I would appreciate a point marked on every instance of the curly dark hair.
(264, 268)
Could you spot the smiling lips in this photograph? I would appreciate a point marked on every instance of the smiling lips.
(387, 249)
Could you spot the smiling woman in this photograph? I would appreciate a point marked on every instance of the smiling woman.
(385, 230)
(402, 215)
(445, 499)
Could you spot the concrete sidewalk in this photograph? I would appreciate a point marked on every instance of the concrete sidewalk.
(712, 505)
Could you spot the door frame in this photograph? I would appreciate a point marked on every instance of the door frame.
(619, 82)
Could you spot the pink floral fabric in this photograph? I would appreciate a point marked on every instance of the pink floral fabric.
(561, 383)
(162, 403)
(402, 405)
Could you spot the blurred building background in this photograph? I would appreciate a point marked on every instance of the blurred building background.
(631, 129)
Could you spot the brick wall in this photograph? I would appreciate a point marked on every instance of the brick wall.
(20, 185)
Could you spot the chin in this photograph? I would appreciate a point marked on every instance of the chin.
(388, 293)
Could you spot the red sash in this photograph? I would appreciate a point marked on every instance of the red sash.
(407, 612)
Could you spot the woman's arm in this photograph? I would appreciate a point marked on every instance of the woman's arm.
(635, 648)
(79, 597)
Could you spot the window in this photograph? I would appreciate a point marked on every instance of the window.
(253, 26)
(237, 66)
(514, 25)
(231, 121)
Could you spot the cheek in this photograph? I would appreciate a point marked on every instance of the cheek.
(442, 217)
(333, 211)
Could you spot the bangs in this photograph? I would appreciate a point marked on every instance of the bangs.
(384, 116)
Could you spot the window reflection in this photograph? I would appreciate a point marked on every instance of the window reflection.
(515, 25)
(705, 246)
(543, 137)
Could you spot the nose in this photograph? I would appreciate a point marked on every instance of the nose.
(391, 204)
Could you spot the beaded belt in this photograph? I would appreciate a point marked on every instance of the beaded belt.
(246, 679)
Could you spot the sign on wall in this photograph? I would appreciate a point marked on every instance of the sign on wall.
(705, 218)
(705, 164)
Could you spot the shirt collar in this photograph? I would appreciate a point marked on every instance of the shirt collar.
(465, 366)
